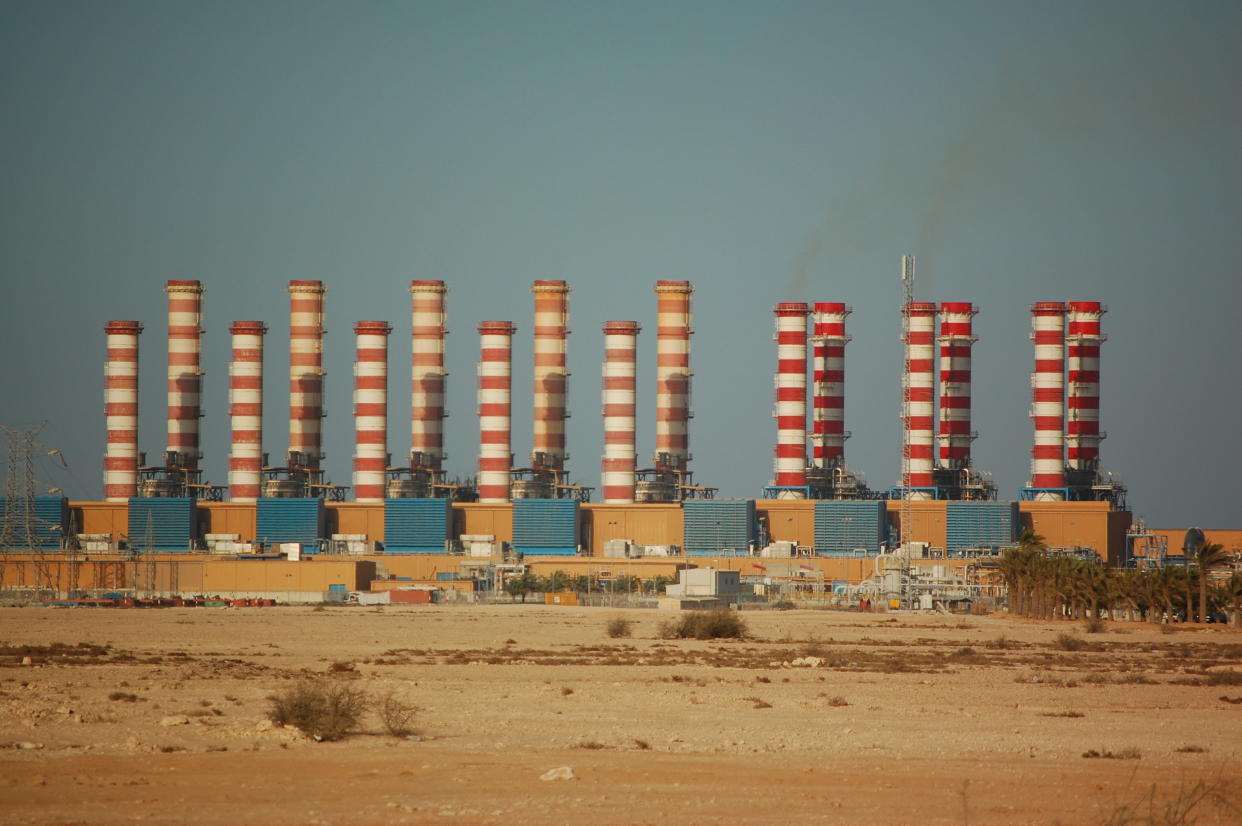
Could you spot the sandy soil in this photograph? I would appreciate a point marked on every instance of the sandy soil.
(900, 719)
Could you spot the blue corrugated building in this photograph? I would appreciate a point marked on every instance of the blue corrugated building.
(714, 527)
(980, 525)
(290, 520)
(417, 526)
(844, 526)
(47, 525)
(545, 527)
(161, 524)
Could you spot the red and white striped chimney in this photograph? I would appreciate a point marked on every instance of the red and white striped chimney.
(828, 375)
(620, 450)
(121, 410)
(790, 413)
(673, 332)
(919, 383)
(185, 374)
(371, 410)
(306, 370)
(551, 375)
(495, 410)
(246, 410)
(1048, 399)
(427, 372)
(1083, 434)
(956, 339)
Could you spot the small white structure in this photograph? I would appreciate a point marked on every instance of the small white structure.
(706, 582)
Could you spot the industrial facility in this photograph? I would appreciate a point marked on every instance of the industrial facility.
(409, 515)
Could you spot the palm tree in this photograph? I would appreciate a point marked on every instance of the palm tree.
(1210, 555)
(1015, 568)
(1231, 595)
(1028, 540)
(556, 582)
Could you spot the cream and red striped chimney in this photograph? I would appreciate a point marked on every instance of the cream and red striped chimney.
(790, 413)
(246, 410)
(919, 381)
(551, 375)
(120, 476)
(427, 372)
(306, 370)
(956, 339)
(371, 410)
(185, 373)
(620, 449)
(495, 410)
(1083, 434)
(672, 432)
(828, 381)
(1048, 399)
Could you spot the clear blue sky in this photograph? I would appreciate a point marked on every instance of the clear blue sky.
(764, 151)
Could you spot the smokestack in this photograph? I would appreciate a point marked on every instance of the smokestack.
(185, 374)
(673, 371)
(1048, 397)
(551, 329)
(371, 410)
(620, 451)
(828, 416)
(246, 410)
(1084, 436)
(306, 370)
(790, 411)
(121, 410)
(956, 339)
(427, 373)
(919, 382)
(495, 409)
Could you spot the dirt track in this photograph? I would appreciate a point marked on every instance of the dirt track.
(898, 719)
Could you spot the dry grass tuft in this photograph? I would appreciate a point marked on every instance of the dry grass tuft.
(619, 627)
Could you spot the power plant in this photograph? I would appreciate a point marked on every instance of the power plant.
(809, 379)
(814, 507)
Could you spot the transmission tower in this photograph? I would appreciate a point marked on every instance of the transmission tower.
(19, 530)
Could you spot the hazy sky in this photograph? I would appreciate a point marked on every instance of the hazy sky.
(767, 152)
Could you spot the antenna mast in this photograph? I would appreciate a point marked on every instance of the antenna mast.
(907, 286)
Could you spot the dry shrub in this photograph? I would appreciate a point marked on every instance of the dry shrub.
(589, 745)
(1187, 804)
(124, 696)
(1094, 625)
(396, 715)
(1130, 753)
(325, 711)
(1000, 642)
(784, 605)
(1068, 642)
(1190, 750)
(758, 702)
(619, 627)
(1070, 713)
(1210, 678)
(837, 702)
(705, 625)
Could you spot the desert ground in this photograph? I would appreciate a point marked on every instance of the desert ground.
(161, 716)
